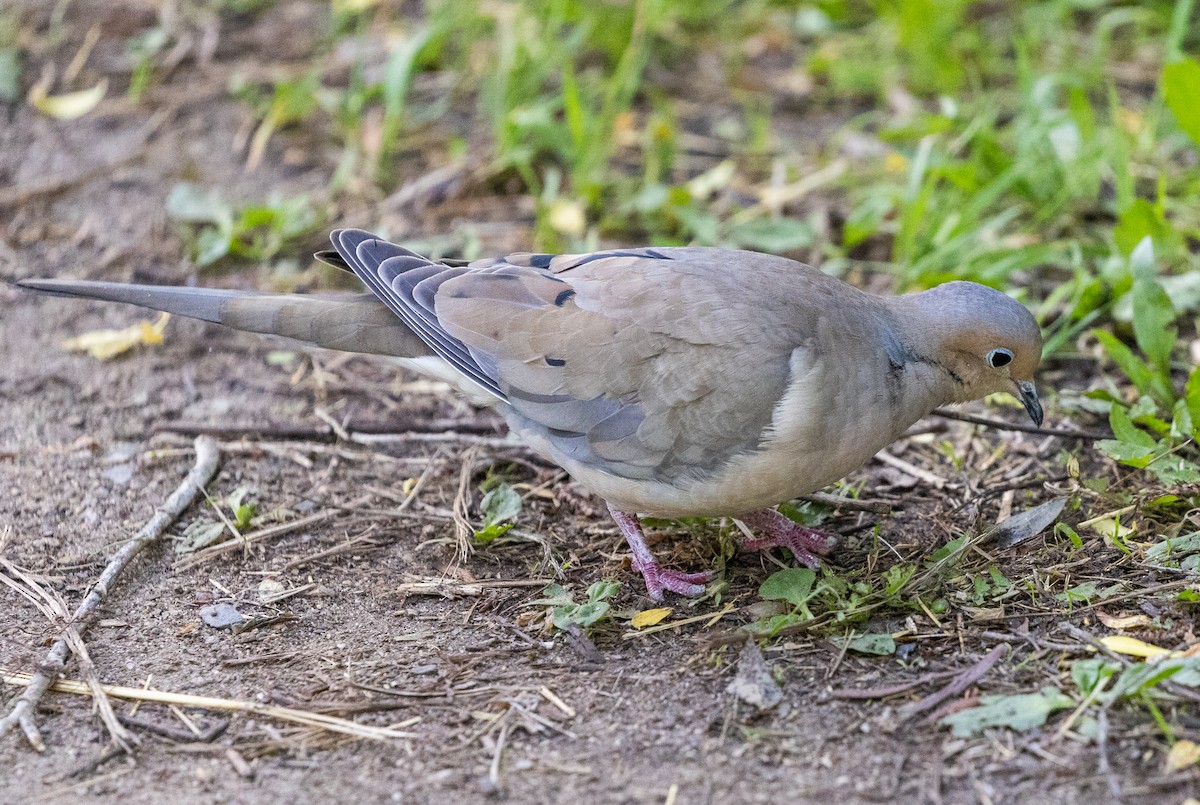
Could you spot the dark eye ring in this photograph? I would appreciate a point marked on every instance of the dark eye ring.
(999, 357)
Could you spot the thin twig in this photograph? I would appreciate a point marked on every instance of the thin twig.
(958, 685)
(305, 718)
(207, 460)
(889, 690)
(1000, 424)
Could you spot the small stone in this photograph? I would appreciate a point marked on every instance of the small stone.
(221, 616)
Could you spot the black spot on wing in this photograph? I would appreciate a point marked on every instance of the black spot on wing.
(540, 260)
(555, 361)
(331, 258)
(563, 296)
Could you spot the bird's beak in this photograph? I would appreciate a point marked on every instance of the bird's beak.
(1029, 398)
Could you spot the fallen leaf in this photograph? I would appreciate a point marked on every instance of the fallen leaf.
(880, 644)
(1020, 712)
(269, 589)
(1124, 622)
(754, 683)
(649, 617)
(1027, 524)
(1133, 647)
(1111, 527)
(1183, 754)
(69, 105)
(108, 344)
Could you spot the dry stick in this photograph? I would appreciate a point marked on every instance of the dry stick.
(960, 683)
(1000, 424)
(207, 459)
(52, 605)
(305, 718)
(890, 690)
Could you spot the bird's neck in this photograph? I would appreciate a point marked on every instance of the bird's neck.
(919, 344)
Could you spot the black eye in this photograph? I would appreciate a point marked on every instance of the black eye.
(999, 357)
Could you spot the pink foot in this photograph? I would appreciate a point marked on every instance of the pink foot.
(657, 580)
(782, 532)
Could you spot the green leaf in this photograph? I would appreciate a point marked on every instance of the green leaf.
(1181, 89)
(1089, 673)
(10, 74)
(554, 595)
(294, 100)
(1131, 455)
(1134, 367)
(1071, 534)
(1174, 548)
(865, 219)
(793, 584)
(1153, 314)
(211, 246)
(490, 532)
(1141, 220)
(585, 615)
(1126, 431)
(499, 506)
(1020, 712)
(1143, 677)
(880, 644)
(601, 590)
(895, 577)
(1088, 591)
(1191, 395)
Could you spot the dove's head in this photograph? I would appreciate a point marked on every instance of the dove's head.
(986, 341)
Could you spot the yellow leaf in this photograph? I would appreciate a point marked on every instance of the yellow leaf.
(567, 217)
(1183, 754)
(69, 105)
(1127, 622)
(107, 344)
(1133, 647)
(895, 162)
(1130, 120)
(625, 131)
(649, 617)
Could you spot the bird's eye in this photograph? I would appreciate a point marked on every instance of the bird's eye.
(999, 357)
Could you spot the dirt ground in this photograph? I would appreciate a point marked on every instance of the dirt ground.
(499, 708)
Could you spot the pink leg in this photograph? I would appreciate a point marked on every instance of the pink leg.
(657, 579)
(782, 532)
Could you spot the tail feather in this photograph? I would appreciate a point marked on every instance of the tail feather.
(196, 303)
(347, 322)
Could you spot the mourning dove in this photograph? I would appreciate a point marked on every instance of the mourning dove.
(673, 382)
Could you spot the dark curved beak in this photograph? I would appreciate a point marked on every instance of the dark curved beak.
(1029, 398)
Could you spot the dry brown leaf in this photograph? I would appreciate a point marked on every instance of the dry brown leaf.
(1123, 622)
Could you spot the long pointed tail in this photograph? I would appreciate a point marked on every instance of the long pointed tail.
(348, 322)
